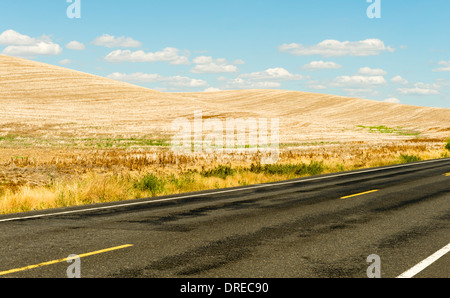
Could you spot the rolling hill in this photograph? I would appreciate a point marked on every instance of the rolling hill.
(47, 100)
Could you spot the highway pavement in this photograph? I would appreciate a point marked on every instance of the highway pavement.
(323, 226)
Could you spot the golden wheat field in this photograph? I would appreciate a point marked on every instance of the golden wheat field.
(70, 138)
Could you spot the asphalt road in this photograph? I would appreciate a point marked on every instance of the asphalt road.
(322, 226)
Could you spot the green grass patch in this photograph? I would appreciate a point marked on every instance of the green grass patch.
(125, 142)
(288, 170)
(318, 143)
(405, 158)
(391, 130)
(183, 181)
(19, 157)
(150, 182)
(313, 168)
(13, 141)
(379, 128)
(8, 138)
(221, 171)
(447, 146)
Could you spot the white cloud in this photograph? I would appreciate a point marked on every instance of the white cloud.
(65, 61)
(240, 83)
(138, 77)
(269, 78)
(172, 81)
(75, 45)
(329, 48)
(179, 81)
(111, 41)
(40, 48)
(443, 83)
(361, 84)
(180, 60)
(25, 46)
(203, 60)
(372, 71)
(420, 89)
(318, 65)
(168, 55)
(446, 66)
(399, 80)
(212, 89)
(277, 73)
(214, 68)
(206, 64)
(316, 85)
(392, 100)
(238, 62)
(11, 37)
(360, 92)
(358, 80)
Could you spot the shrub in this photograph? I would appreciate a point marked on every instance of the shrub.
(447, 146)
(183, 181)
(314, 168)
(279, 169)
(405, 158)
(220, 171)
(150, 182)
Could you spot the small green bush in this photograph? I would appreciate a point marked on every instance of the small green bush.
(220, 171)
(150, 182)
(405, 158)
(183, 181)
(447, 146)
(274, 169)
(314, 168)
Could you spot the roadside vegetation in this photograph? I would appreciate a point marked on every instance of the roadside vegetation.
(35, 179)
(405, 158)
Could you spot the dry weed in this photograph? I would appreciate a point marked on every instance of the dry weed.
(49, 179)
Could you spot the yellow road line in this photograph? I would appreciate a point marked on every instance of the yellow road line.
(447, 174)
(64, 260)
(359, 194)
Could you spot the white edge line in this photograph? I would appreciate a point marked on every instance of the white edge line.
(425, 263)
(216, 192)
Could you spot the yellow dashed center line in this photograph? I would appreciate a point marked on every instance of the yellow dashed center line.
(359, 194)
(63, 260)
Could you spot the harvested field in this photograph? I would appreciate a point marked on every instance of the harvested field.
(70, 138)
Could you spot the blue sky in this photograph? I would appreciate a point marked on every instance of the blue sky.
(330, 46)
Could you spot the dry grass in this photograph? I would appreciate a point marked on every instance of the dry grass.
(77, 177)
(70, 138)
